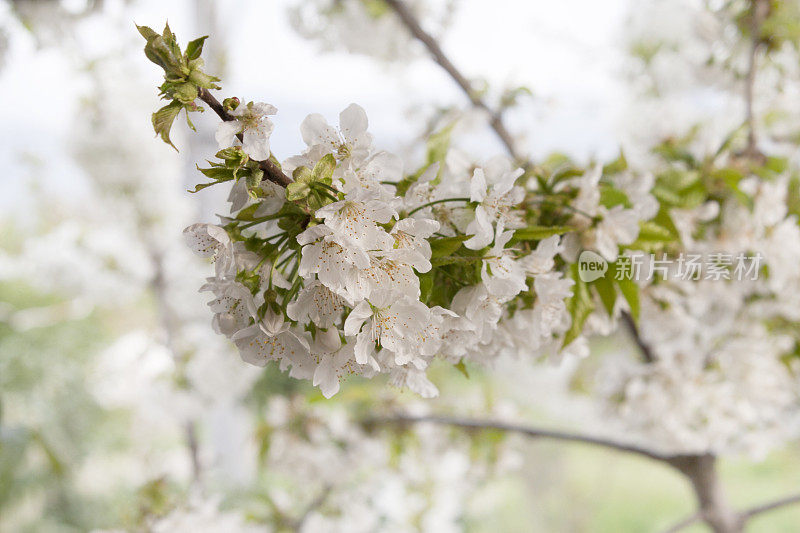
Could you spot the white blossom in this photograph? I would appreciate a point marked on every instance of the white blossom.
(253, 123)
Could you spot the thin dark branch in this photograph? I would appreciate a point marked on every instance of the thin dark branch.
(194, 449)
(644, 348)
(770, 506)
(744, 516)
(467, 423)
(170, 325)
(313, 506)
(759, 12)
(495, 119)
(686, 522)
(271, 170)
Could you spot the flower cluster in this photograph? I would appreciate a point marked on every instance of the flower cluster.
(338, 261)
(358, 268)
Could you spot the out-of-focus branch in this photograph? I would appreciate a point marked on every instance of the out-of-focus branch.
(759, 12)
(744, 516)
(686, 522)
(713, 507)
(771, 506)
(170, 325)
(644, 347)
(410, 21)
(700, 469)
(271, 170)
(318, 502)
(478, 424)
(413, 25)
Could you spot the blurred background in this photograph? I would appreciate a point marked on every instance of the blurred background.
(120, 409)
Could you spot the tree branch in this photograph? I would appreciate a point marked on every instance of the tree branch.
(744, 516)
(644, 348)
(272, 172)
(770, 506)
(759, 12)
(410, 21)
(686, 522)
(315, 504)
(467, 423)
(713, 507)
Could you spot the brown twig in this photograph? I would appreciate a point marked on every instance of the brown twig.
(467, 423)
(410, 21)
(644, 348)
(272, 172)
(699, 468)
(743, 517)
(770, 506)
(759, 12)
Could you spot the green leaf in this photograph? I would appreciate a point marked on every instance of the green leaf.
(537, 233)
(461, 367)
(606, 290)
(630, 290)
(195, 48)
(778, 165)
(248, 213)
(323, 170)
(649, 231)
(163, 119)
(217, 173)
(610, 196)
(147, 32)
(302, 175)
(580, 306)
(160, 50)
(620, 164)
(438, 146)
(297, 190)
(200, 186)
(185, 92)
(425, 286)
(201, 79)
(446, 245)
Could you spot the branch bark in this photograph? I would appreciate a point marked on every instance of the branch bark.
(713, 507)
(700, 469)
(771, 506)
(271, 171)
(410, 21)
(644, 347)
(478, 424)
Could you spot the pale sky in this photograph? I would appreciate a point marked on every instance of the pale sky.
(567, 52)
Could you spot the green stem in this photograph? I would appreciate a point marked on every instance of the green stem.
(259, 221)
(423, 206)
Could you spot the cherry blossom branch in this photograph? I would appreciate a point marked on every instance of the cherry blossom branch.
(533, 432)
(410, 21)
(413, 25)
(271, 170)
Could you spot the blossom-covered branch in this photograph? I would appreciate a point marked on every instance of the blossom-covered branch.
(271, 171)
(360, 267)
